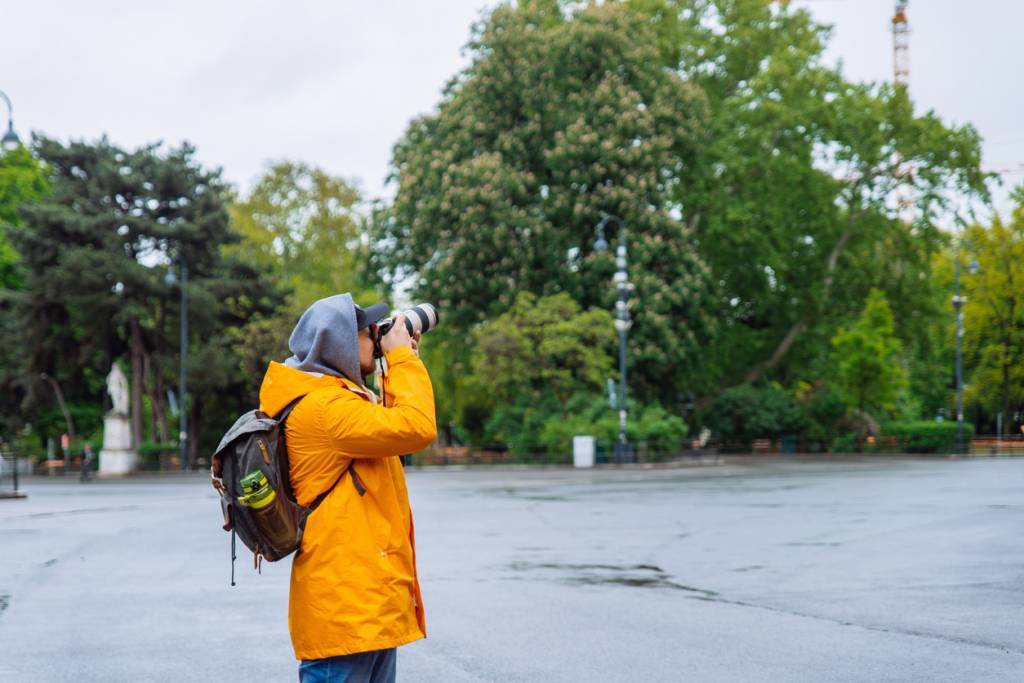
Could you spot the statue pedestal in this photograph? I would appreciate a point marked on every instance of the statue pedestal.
(117, 456)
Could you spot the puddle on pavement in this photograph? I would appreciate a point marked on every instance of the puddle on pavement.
(5, 600)
(634, 575)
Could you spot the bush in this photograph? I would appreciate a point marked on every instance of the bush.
(591, 415)
(926, 436)
(909, 437)
(662, 431)
(744, 413)
(821, 411)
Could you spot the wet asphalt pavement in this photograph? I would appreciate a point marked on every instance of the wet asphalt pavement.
(755, 570)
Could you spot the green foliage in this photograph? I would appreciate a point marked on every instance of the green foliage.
(530, 429)
(657, 429)
(543, 346)
(560, 118)
(587, 415)
(909, 437)
(994, 314)
(924, 436)
(301, 227)
(821, 411)
(22, 179)
(744, 413)
(795, 187)
(868, 359)
(526, 365)
(95, 253)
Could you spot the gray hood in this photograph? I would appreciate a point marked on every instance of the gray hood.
(326, 339)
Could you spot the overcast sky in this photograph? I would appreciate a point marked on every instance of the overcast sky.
(335, 82)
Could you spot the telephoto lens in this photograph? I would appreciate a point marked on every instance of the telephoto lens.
(421, 318)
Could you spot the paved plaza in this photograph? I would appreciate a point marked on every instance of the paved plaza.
(752, 570)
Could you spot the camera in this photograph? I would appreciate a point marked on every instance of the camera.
(420, 318)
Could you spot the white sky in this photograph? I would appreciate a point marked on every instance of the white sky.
(335, 82)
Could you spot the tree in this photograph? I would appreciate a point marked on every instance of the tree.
(795, 189)
(301, 225)
(95, 254)
(543, 347)
(560, 118)
(994, 313)
(869, 366)
(22, 179)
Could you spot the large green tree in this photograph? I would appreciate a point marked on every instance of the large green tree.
(302, 226)
(562, 116)
(96, 253)
(794, 197)
(994, 313)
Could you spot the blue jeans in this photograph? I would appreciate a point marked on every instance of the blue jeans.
(364, 667)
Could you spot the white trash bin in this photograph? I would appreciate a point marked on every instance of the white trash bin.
(583, 451)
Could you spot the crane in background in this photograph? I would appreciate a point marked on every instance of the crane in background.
(900, 44)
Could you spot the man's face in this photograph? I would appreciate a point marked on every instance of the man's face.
(366, 364)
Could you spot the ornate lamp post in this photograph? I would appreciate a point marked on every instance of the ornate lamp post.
(623, 450)
(10, 139)
(958, 305)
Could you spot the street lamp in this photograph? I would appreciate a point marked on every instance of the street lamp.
(623, 451)
(958, 305)
(171, 280)
(10, 139)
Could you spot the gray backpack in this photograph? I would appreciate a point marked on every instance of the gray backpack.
(250, 472)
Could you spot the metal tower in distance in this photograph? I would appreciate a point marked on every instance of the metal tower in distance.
(900, 44)
(901, 76)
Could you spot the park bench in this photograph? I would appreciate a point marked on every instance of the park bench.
(50, 466)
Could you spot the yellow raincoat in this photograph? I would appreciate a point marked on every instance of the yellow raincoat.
(353, 585)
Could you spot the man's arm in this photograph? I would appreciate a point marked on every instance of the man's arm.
(359, 429)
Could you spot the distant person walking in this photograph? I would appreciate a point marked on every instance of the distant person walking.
(87, 458)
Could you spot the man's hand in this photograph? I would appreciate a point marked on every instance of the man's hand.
(397, 336)
(416, 345)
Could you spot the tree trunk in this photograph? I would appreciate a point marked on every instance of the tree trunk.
(156, 398)
(137, 354)
(159, 391)
(148, 388)
(68, 422)
(194, 424)
(1005, 426)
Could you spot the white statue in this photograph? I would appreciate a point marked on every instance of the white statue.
(117, 387)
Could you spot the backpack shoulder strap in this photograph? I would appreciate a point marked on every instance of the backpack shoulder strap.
(283, 415)
(319, 499)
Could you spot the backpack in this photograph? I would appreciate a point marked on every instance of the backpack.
(249, 470)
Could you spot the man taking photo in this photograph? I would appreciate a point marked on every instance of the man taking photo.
(354, 595)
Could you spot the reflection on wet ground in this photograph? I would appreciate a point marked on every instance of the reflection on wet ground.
(635, 575)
